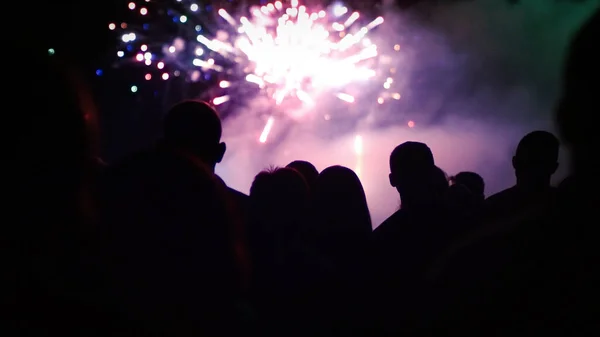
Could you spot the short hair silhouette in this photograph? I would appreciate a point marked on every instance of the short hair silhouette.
(411, 156)
(195, 126)
(537, 154)
(414, 175)
(306, 169)
(471, 180)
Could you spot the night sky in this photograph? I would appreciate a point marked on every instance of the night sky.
(128, 122)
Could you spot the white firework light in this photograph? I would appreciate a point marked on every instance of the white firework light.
(286, 49)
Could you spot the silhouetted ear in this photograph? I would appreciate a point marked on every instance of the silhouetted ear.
(392, 180)
(514, 162)
(220, 152)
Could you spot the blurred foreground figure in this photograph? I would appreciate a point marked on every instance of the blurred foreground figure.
(50, 213)
(536, 275)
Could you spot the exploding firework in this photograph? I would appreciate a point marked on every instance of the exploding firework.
(293, 55)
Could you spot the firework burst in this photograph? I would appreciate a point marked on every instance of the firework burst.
(289, 52)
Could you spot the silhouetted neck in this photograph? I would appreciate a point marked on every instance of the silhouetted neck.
(188, 154)
(541, 185)
(196, 158)
(418, 205)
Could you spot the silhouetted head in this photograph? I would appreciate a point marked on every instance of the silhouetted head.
(195, 126)
(579, 103)
(340, 203)
(536, 159)
(471, 180)
(306, 169)
(460, 198)
(278, 199)
(411, 169)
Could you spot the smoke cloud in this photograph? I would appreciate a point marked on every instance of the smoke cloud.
(475, 77)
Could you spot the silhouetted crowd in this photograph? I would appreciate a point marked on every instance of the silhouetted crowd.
(158, 245)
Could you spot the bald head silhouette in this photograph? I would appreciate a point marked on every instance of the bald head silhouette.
(195, 126)
(414, 175)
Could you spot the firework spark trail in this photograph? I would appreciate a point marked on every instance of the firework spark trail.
(287, 50)
(294, 51)
(299, 58)
(358, 152)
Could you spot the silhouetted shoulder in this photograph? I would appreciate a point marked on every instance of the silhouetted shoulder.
(567, 184)
(237, 194)
(240, 199)
(514, 196)
(502, 196)
(517, 263)
(500, 203)
(156, 166)
(388, 226)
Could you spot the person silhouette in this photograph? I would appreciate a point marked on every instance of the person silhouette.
(281, 269)
(536, 275)
(171, 229)
(535, 162)
(340, 229)
(406, 243)
(307, 170)
(411, 168)
(471, 180)
(466, 195)
(340, 205)
(193, 129)
(341, 225)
